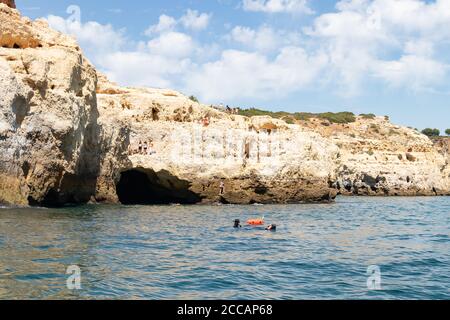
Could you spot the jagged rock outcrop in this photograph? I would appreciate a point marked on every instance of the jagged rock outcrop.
(9, 3)
(379, 158)
(67, 134)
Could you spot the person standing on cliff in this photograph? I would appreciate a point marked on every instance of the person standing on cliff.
(151, 150)
(222, 188)
(140, 147)
(145, 147)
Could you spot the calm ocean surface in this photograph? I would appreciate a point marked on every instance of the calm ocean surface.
(192, 252)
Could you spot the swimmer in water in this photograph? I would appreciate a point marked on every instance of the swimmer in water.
(237, 223)
(272, 227)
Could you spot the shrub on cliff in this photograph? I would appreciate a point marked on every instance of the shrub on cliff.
(447, 132)
(367, 116)
(431, 132)
(193, 98)
(289, 120)
(338, 117)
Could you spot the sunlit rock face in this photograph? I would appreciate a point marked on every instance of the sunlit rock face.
(264, 160)
(49, 133)
(256, 160)
(69, 135)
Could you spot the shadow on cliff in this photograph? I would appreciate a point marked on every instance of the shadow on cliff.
(147, 187)
(79, 187)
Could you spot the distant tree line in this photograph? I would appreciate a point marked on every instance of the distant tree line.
(434, 132)
(431, 132)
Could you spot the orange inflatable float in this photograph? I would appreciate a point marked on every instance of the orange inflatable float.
(256, 222)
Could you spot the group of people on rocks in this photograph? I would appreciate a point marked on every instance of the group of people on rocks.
(226, 109)
(143, 148)
(232, 110)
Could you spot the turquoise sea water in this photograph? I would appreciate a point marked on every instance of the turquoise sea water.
(319, 251)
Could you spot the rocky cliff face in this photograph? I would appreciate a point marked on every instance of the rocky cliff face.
(256, 159)
(49, 132)
(67, 134)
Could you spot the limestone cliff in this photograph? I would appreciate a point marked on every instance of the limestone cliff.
(379, 158)
(67, 134)
(49, 135)
(258, 159)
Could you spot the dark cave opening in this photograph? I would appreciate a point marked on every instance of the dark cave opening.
(146, 187)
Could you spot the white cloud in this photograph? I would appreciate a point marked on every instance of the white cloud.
(87, 35)
(165, 23)
(414, 72)
(363, 38)
(194, 20)
(239, 74)
(172, 44)
(154, 63)
(400, 44)
(278, 6)
(264, 39)
(419, 47)
(141, 68)
(191, 20)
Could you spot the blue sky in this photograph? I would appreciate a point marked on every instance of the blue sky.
(388, 57)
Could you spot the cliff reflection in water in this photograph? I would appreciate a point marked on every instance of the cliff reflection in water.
(318, 251)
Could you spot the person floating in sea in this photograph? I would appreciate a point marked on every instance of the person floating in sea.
(237, 223)
(272, 227)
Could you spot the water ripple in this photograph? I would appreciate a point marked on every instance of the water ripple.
(192, 252)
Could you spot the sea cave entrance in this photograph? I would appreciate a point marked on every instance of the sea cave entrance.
(147, 187)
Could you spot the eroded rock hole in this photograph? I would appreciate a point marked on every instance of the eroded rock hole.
(146, 187)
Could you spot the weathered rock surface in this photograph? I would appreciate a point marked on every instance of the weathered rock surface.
(67, 134)
(49, 133)
(258, 159)
(9, 3)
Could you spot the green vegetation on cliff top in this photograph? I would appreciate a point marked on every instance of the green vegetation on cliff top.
(431, 132)
(338, 117)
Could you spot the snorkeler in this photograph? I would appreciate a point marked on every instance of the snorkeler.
(272, 227)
